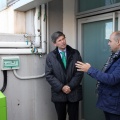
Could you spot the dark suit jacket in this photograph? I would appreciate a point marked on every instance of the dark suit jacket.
(58, 76)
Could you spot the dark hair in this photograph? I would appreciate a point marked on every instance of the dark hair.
(56, 35)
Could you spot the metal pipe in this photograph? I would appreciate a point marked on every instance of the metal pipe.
(37, 27)
(20, 51)
(43, 27)
(5, 81)
(15, 44)
(27, 77)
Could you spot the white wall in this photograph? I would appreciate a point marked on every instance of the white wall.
(31, 99)
(69, 23)
(27, 99)
(55, 20)
(7, 21)
(12, 21)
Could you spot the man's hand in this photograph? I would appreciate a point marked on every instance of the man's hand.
(82, 66)
(66, 89)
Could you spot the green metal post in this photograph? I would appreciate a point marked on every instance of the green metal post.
(3, 108)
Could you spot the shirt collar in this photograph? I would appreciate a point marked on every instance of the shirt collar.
(61, 50)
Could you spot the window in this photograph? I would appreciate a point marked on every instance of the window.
(85, 5)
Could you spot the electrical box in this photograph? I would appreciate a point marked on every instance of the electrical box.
(3, 109)
(10, 63)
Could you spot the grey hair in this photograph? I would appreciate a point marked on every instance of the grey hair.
(56, 35)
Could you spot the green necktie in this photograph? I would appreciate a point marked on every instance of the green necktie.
(63, 58)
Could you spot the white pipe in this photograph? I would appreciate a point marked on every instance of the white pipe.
(27, 77)
(37, 27)
(15, 44)
(20, 51)
(43, 27)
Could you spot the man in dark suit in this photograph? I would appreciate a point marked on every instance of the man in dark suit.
(108, 80)
(64, 78)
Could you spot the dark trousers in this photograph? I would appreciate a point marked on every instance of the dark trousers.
(62, 108)
(110, 116)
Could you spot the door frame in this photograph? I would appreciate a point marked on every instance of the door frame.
(81, 21)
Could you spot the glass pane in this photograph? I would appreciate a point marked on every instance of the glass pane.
(85, 5)
(95, 51)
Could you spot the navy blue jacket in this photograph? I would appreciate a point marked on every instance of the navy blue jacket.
(109, 89)
(58, 76)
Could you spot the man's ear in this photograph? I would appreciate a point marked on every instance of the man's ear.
(119, 42)
(54, 44)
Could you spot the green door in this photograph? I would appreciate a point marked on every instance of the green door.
(95, 50)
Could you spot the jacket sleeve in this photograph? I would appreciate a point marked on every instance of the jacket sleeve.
(50, 77)
(111, 78)
(77, 76)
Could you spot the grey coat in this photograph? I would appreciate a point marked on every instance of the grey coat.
(58, 76)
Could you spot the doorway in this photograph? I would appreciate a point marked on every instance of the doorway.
(93, 36)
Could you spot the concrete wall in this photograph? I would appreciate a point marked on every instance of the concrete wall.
(7, 21)
(62, 17)
(69, 22)
(12, 21)
(27, 99)
(19, 22)
(31, 99)
(55, 20)
(29, 24)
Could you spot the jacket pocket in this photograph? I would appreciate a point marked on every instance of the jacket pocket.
(110, 100)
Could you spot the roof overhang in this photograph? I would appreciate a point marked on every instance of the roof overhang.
(25, 5)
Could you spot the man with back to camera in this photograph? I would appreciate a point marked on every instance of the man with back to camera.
(64, 78)
(108, 80)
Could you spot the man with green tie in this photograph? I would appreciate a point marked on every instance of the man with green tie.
(64, 78)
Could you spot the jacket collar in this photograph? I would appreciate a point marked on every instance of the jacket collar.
(69, 50)
(115, 57)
